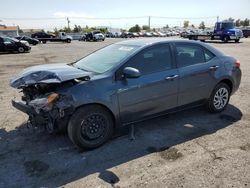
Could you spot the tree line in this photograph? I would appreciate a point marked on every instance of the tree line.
(137, 28)
(238, 23)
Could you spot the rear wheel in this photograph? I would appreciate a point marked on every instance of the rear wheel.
(219, 98)
(90, 127)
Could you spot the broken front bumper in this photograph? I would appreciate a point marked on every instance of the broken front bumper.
(55, 119)
(23, 107)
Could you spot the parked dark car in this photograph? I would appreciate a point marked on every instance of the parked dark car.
(95, 36)
(127, 35)
(13, 45)
(124, 83)
(246, 32)
(83, 37)
(29, 40)
(42, 35)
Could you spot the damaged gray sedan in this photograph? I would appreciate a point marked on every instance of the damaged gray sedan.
(124, 83)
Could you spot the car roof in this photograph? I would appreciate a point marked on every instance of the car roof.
(152, 41)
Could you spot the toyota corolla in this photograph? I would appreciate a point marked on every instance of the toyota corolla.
(124, 83)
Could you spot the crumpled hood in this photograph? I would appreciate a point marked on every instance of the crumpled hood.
(51, 73)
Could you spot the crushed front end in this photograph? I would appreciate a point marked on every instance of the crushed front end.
(45, 106)
(45, 94)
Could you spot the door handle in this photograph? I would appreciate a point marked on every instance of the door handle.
(171, 77)
(215, 67)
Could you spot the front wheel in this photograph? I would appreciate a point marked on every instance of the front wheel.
(225, 39)
(237, 40)
(219, 98)
(21, 49)
(90, 127)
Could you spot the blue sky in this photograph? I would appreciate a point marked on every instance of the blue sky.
(53, 12)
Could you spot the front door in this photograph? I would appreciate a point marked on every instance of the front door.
(9, 44)
(155, 91)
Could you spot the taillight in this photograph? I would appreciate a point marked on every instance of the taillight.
(237, 63)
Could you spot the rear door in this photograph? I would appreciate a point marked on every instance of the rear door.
(197, 68)
(155, 91)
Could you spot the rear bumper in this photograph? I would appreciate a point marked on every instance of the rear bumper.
(237, 79)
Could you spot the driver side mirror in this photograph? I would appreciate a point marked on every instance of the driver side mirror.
(130, 72)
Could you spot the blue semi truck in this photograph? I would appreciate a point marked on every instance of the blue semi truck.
(224, 31)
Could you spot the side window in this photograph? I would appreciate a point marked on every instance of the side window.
(189, 54)
(7, 40)
(153, 59)
(208, 55)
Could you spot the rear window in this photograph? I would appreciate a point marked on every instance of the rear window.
(191, 54)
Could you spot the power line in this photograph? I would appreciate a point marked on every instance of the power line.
(106, 18)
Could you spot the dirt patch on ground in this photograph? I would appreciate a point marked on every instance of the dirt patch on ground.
(171, 154)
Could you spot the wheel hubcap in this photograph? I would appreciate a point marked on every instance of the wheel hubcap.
(221, 98)
(21, 50)
(93, 126)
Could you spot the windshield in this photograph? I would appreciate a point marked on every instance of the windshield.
(106, 58)
(229, 25)
(7, 39)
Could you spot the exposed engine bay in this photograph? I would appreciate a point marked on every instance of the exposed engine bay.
(44, 98)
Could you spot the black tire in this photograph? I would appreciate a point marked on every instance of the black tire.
(68, 41)
(225, 39)
(90, 121)
(211, 103)
(20, 49)
(237, 40)
(44, 41)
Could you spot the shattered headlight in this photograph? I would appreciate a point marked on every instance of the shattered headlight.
(45, 103)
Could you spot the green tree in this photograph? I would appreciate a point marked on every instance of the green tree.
(76, 29)
(237, 22)
(186, 23)
(104, 30)
(145, 27)
(202, 25)
(246, 22)
(135, 28)
(56, 31)
(241, 22)
(230, 19)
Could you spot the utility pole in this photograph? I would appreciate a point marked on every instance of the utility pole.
(68, 22)
(149, 22)
(217, 18)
